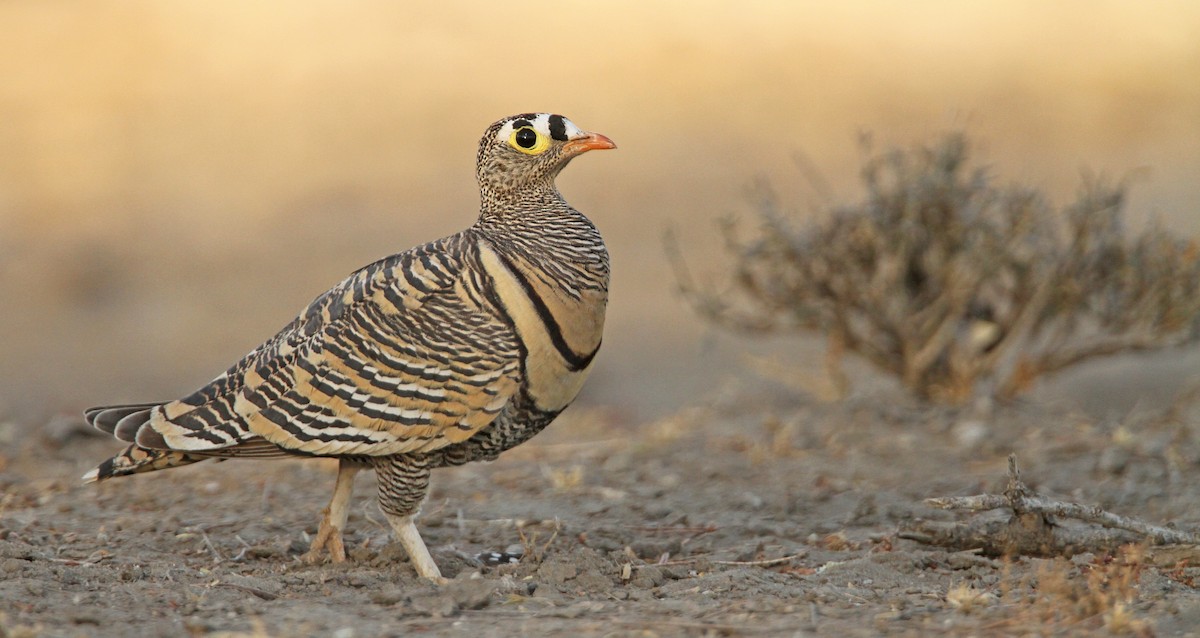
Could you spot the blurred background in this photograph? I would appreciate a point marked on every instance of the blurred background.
(178, 179)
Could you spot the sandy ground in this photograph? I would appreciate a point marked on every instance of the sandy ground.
(759, 513)
(179, 179)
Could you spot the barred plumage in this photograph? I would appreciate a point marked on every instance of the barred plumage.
(447, 353)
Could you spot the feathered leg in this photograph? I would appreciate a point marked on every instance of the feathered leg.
(403, 482)
(333, 519)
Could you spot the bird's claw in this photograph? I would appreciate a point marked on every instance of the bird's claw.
(328, 538)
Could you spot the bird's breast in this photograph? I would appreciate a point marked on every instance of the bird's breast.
(560, 331)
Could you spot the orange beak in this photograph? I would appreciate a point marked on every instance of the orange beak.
(591, 142)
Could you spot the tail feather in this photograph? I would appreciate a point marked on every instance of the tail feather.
(134, 460)
(128, 426)
(120, 420)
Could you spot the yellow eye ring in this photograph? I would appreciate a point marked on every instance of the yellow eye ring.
(528, 141)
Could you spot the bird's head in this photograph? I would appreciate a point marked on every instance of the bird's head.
(526, 152)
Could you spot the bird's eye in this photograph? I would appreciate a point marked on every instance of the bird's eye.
(526, 138)
(529, 141)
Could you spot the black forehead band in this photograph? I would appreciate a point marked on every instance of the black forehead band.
(521, 123)
(558, 128)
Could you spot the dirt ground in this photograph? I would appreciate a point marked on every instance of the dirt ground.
(178, 179)
(762, 512)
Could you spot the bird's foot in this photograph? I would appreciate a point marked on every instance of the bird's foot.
(418, 554)
(426, 568)
(328, 538)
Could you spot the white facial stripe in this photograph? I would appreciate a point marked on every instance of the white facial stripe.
(541, 124)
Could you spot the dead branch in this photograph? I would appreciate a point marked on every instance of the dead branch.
(1035, 525)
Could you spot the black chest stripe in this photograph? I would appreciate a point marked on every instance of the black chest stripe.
(574, 360)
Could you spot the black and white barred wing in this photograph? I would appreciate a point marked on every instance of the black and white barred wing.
(404, 356)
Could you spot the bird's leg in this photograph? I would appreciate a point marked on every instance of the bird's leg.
(410, 538)
(333, 519)
(403, 482)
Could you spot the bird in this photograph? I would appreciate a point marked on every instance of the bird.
(447, 353)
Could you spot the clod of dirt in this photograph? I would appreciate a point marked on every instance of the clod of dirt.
(651, 548)
(580, 569)
(557, 571)
(457, 595)
(389, 596)
(592, 581)
(472, 593)
(647, 577)
(437, 605)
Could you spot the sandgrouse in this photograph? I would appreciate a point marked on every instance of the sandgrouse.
(446, 353)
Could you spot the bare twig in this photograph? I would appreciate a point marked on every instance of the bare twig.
(94, 558)
(674, 529)
(663, 561)
(1029, 530)
(265, 595)
(760, 563)
(217, 558)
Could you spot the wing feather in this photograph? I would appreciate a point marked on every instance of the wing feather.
(401, 357)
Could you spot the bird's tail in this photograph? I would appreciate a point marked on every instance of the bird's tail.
(134, 460)
(123, 421)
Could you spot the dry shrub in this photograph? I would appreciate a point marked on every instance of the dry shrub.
(956, 286)
(18, 631)
(967, 598)
(1063, 597)
(564, 479)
